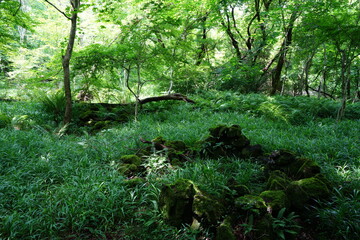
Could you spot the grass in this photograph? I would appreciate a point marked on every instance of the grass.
(67, 187)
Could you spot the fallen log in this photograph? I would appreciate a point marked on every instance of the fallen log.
(174, 96)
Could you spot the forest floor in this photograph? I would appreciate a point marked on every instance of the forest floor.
(69, 186)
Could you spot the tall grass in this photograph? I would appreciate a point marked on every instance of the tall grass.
(68, 187)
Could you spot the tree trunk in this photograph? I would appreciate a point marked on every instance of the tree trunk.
(66, 61)
(345, 82)
(276, 76)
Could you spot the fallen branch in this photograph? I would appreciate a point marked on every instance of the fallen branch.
(324, 93)
(174, 96)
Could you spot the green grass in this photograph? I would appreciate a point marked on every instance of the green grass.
(68, 187)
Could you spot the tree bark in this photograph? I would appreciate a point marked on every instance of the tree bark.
(66, 61)
(175, 96)
(276, 76)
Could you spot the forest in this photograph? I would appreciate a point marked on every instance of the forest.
(180, 119)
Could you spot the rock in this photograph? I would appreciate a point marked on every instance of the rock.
(182, 201)
(252, 151)
(251, 203)
(176, 202)
(294, 167)
(302, 191)
(133, 182)
(131, 159)
(303, 168)
(278, 180)
(207, 209)
(275, 200)
(224, 231)
(237, 190)
(131, 165)
(224, 141)
(282, 158)
(128, 170)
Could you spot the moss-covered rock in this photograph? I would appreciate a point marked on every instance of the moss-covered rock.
(303, 168)
(224, 231)
(207, 209)
(131, 166)
(224, 141)
(252, 151)
(251, 203)
(129, 170)
(282, 157)
(275, 200)
(176, 202)
(182, 201)
(294, 167)
(278, 180)
(131, 159)
(133, 182)
(301, 191)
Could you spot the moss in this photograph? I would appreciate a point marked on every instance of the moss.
(275, 200)
(159, 140)
(207, 209)
(278, 180)
(282, 157)
(131, 159)
(176, 202)
(133, 182)
(303, 168)
(128, 169)
(295, 168)
(181, 201)
(4, 120)
(224, 141)
(225, 231)
(301, 191)
(251, 203)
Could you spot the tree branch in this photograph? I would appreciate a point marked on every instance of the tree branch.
(63, 13)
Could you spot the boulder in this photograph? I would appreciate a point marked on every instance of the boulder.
(278, 180)
(293, 166)
(182, 202)
(275, 200)
(224, 231)
(224, 141)
(302, 191)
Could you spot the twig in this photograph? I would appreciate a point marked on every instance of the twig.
(58, 9)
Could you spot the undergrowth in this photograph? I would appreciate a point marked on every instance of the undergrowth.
(55, 186)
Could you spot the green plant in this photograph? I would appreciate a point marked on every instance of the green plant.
(156, 163)
(54, 104)
(342, 211)
(284, 226)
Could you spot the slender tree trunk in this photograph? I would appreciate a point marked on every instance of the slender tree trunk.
(66, 61)
(345, 82)
(324, 75)
(203, 47)
(276, 76)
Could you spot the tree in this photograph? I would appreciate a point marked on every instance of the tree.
(75, 7)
